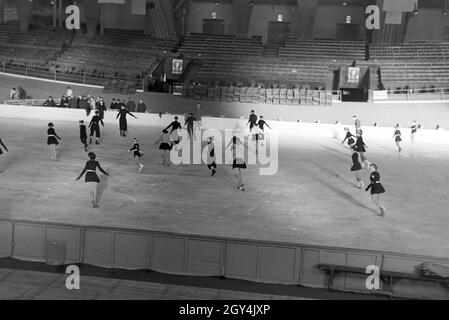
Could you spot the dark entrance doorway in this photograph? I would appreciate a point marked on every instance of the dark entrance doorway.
(278, 32)
(354, 95)
(348, 31)
(213, 26)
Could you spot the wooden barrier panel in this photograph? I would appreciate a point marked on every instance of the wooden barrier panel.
(168, 254)
(241, 260)
(204, 257)
(70, 237)
(98, 248)
(277, 264)
(131, 251)
(5, 239)
(29, 242)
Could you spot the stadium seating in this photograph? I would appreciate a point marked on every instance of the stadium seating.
(323, 49)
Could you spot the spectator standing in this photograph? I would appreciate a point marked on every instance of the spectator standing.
(113, 105)
(69, 93)
(101, 107)
(141, 107)
(131, 105)
(13, 94)
(64, 103)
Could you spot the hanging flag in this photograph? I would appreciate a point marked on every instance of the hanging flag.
(399, 5)
(138, 6)
(112, 1)
(393, 17)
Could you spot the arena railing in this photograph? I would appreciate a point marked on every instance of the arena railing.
(414, 94)
(52, 73)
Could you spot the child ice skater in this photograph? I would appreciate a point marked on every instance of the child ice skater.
(356, 168)
(414, 128)
(238, 163)
(83, 134)
(361, 147)
(397, 137)
(94, 126)
(350, 137)
(211, 159)
(92, 179)
(165, 146)
(376, 189)
(52, 140)
(137, 155)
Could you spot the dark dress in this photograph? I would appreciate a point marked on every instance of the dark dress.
(356, 166)
(397, 133)
(136, 149)
(237, 163)
(349, 136)
(252, 121)
(83, 134)
(90, 170)
(52, 137)
(123, 123)
(360, 145)
(375, 185)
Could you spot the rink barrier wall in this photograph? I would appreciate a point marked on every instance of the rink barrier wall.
(182, 254)
(322, 130)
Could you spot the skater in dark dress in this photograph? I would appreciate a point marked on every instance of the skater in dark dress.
(165, 146)
(211, 158)
(137, 155)
(261, 134)
(101, 107)
(361, 147)
(189, 123)
(350, 137)
(4, 147)
(123, 123)
(94, 126)
(91, 177)
(356, 168)
(52, 140)
(414, 128)
(397, 137)
(252, 121)
(238, 163)
(83, 134)
(174, 133)
(376, 189)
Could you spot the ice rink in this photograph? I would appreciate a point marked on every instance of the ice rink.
(311, 200)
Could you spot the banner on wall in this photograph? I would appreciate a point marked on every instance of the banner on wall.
(393, 17)
(177, 66)
(399, 5)
(353, 75)
(138, 6)
(112, 1)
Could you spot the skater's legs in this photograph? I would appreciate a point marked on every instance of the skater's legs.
(378, 202)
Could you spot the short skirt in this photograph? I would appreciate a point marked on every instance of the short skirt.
(398, 139)
(356, 167)
(92, 177)
(377, 188)
(238, 163)
(164, 146)
(52, 140)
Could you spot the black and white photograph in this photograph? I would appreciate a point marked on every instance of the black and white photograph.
(230, 158)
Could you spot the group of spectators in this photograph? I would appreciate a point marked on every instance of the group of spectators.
(89, 103)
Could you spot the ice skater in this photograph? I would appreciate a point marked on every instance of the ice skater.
(252, 121)
(52, 140)
(211, 159)
(83, 134)
(137, 155)
(397, 137)
(361, 147)
(414, 128)
(350, 137)
(198, 116)
(238, 163)
(123, 123)
(94, 126)
(189, 123)
(174, 133)
(260, 135)
(165, 146)
(376, 189)
(357, 123)
(4, 147)
(91, 177)
(355, 168)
